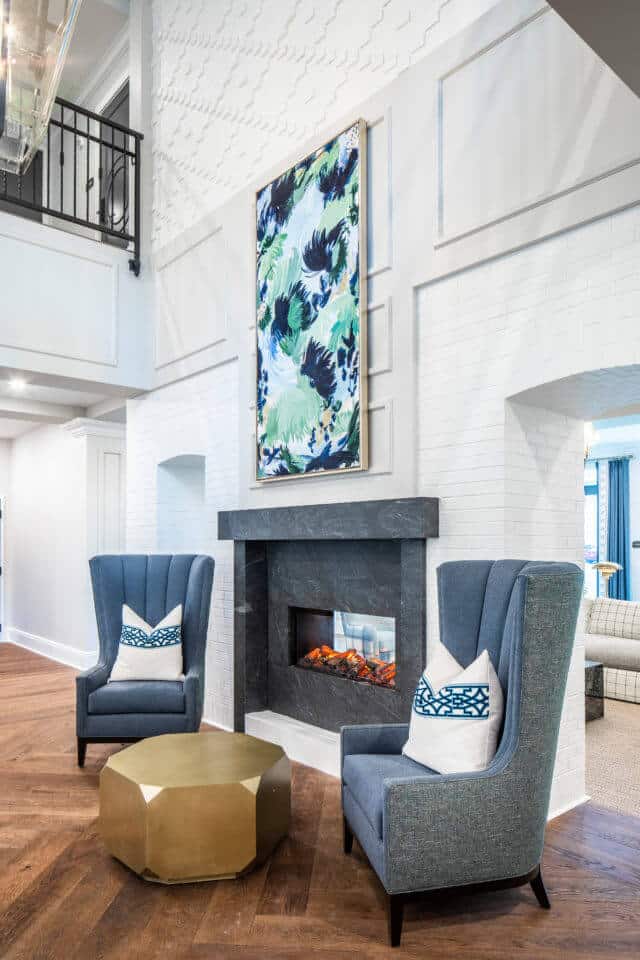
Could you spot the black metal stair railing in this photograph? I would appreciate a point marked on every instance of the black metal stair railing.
(86, 174)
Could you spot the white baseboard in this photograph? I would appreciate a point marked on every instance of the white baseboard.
(52, 649)
(567, 806)
(217, 723)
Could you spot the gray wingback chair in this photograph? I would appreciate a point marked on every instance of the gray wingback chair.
(423, 831)
(132, 709)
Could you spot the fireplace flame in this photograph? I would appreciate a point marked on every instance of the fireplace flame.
(350, 664)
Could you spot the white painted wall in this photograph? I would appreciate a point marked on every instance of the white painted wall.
(509, 475)
(5, 466)
(491, 271)
(45, 565)
(86, 317)
(65, 503)
(5, 480)
(198, 416)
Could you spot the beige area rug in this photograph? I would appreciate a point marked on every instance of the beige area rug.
(613, 758)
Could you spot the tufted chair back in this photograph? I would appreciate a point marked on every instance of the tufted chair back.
(482, 606)
(152, 585)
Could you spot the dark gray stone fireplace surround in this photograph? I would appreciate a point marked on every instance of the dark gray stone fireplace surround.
(363, 557)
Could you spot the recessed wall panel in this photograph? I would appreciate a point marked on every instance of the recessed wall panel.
(533, 116)
(192, 304)
(57, 303)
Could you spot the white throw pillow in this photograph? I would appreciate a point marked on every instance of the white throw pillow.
(456, 715)
(149, 653)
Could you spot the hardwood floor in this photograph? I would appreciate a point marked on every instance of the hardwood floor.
(62, 897)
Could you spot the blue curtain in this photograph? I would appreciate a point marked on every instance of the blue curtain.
(618, 546)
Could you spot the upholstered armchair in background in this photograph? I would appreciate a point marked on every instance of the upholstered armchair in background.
(132, 709)
(423, 831)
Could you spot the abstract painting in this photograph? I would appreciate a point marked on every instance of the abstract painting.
(311, 312)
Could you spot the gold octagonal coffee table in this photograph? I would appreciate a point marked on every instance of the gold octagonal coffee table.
(195, 806)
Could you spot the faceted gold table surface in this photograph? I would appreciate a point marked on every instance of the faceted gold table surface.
(195, 806)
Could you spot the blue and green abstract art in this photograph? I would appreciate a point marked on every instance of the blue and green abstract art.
(311, 388)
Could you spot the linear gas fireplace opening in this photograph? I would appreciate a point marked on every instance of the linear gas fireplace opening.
(356, 646)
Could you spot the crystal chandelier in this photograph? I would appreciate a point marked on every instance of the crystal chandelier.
(34, 41)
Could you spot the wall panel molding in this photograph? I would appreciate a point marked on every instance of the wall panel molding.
(379, 201)
(381, 437)
(380, 337)
(568, 131)
(193, 311)
(580, 109)
(52, 322)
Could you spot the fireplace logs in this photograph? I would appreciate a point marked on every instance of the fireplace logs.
(350, 664)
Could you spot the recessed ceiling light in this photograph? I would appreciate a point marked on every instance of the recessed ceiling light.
(18, 384)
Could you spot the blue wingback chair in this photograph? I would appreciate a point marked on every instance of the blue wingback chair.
(424, 831)
(132, 709)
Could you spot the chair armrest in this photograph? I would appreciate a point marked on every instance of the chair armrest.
(86, 683)
(448, 830)
(373, 738)
(91, 679)
(194, 694)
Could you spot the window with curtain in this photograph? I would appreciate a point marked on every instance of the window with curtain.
(619, 528)
(607, 531)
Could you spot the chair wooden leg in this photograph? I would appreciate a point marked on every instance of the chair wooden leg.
(82, 751)
(395, 911)
(347, 836)
(537, 885)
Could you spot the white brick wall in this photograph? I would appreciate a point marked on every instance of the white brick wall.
(509, 474)
(195, 416)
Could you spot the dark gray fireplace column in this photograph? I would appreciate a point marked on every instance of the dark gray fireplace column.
(364, 557)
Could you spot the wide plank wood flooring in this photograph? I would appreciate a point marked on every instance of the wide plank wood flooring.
(62, 897)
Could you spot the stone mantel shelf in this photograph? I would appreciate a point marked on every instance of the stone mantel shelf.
(411, 518)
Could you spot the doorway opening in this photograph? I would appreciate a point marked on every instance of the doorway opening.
(596, 488)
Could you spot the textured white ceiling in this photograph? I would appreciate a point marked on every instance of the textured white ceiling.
(239, 83)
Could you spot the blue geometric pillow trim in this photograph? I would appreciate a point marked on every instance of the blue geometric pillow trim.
(457, 701)
(161, 637)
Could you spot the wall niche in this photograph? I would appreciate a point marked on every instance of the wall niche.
(180, 521)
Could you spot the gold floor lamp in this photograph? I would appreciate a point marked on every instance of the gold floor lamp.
(607, 568)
